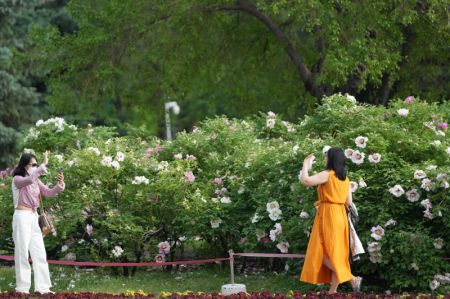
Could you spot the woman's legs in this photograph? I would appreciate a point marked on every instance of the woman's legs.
(42, 282)
(334, 282)
(21, 236)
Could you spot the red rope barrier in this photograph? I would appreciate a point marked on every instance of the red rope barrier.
(152, 264)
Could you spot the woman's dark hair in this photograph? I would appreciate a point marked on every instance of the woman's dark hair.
(336, 162)
(23, 162)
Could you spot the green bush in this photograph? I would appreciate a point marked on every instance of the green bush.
(234, 184)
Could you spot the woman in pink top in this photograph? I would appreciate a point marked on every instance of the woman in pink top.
(27, 193)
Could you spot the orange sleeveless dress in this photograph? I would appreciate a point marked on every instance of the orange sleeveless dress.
(329, 234)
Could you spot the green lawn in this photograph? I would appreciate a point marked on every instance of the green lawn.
(152, 280)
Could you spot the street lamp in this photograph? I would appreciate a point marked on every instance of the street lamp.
(176, 110)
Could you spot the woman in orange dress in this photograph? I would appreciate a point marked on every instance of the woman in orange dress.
(327, 255)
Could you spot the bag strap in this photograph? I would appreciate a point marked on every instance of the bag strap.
(41, 203)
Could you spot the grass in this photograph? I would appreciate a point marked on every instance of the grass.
(152, 280)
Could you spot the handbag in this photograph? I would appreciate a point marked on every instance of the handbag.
(45, 220)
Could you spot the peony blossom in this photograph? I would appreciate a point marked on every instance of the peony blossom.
(304, 215)
(443, 126)
(353, 186)
(412, 195)
(419, 174)
(120, 156)
(191, 157)
(375, 158)
(348, 153)
(270, 123)
(138, 180)
(255, 218)
(115, 165)
(189, 176)
(362, 183)
(95, 150)
(390, 222)
(426, 204)
(361, 141)
(178, 156)
(427, 184)
(283, 247)
(106, 161)
(357, 157)
(164, 247)
(215, 223)
(377, 232)
(273, 205)
(225, 200)
(275, 215)
(160, 258)
(397, 191)
(434, 284)
(403, 112)
(89, 230)
(117, 251)
(409, 100)
(438, 243)
(373, 247)
(217, 181)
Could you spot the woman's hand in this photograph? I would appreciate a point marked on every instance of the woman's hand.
(309, 161)
(60, 178)
(45, 162)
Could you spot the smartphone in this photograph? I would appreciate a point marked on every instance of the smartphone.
(61, 170)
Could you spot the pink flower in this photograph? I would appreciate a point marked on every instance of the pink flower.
(159, 258)
(409, 100)
(217, 181)
(190, 177)
(89, 230)
(149, 152)
(443, 126)
(164, 247)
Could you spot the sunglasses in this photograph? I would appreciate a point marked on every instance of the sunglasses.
(34, 165)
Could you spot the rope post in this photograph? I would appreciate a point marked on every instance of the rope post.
(231, 252)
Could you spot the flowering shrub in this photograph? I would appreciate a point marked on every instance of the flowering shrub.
(234, 184)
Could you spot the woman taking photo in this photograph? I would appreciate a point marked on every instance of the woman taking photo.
(327, 255)
(27, 193)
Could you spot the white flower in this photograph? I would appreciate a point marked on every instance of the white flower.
(419, 174)
(431, 167)
(414, 266)
(295, 148)
(275, 215)
(426, 204)
(59, 158)
(376, 257)
(117, 251)
(215, 223)
(89, 229)
(106, 161)
(241, 190)
(375, 158)
(362, 183)
(353, 186)
(215, 200)
(373, 247)
(273, 205)
(225, 200)
(397, 190)
(178, 156)
(348, 153)
(445, 185)
(325, 149)
(120, 156)
(39, 123)
(191, 157)
(350, 98)
(95, 150)
(288, 126)
(403, 112)
(283, 247)
(71, 163)
(304, 215)
(140, 180)
(434, 284)
(270, 114)
(441, 177)
(163, 165)
(427, 184)
(436, 143)
(357, 157)
(438, 243)
(377, 232)
(115, 165)
(64, 248)
(255, 218)
(427, 214)
(361, 141)
(413, 195)
(270, 123)
(448, 150)
(390, 222)
(440, 133)
(275, 232)
(429, 125)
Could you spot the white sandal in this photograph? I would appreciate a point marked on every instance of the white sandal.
(357, 283)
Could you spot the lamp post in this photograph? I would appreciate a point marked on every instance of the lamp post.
(176, 110)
